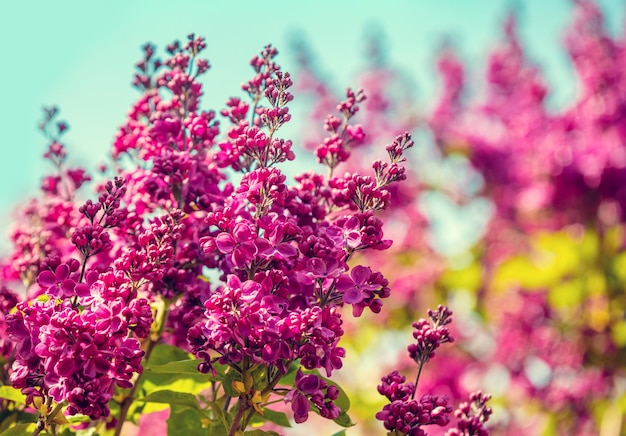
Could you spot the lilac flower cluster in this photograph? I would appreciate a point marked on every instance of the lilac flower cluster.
(335, 148)
(430, 335)
(310, 389)
(248, 146)
(543, 168)
(472, 416)
(81, 340)
(407, 416)
(282, 250)
(74, 357)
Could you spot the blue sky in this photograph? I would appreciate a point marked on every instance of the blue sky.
(79, 55)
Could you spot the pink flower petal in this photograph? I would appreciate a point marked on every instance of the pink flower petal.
(62, 272)
(353, 296)
(225, 242)
(45, 279)
(360, 274)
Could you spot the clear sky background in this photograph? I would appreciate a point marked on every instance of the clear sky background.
(79, 55)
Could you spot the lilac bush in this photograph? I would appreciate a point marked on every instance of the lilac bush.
(198, 278)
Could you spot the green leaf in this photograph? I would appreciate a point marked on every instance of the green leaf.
(569, 293)
(259, 377)
(344, 420)
(19, 430)
(75, 419)
(185, 421)
(224, 417)
(172, 360)
(618, 333)
(259, 432)
(173, 372)
(69, 432)
(7, 419)
(215, 428)
(188, 366)
(11, 417)
(290, 378)
(172, 397)
(10, 393)
(163, 353)
(340, 433)
(166, 358)
(230, 377)
(89, 431)
(279, 418)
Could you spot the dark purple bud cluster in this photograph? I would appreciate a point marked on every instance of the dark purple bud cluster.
(336, 147)
(472, 416)
(311, 390)
(406, 415)
(430, 334)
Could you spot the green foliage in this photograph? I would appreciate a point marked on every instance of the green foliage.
(12, 394)
(618, 333)
(344, 420)
(223, 420)
(170, 368)
(228, 383)
(184, 367)
(172, 398)
(270, 415)
(19, 430)
(187, 421)
(12, 412)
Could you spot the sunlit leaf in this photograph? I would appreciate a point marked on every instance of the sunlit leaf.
(19, 430)
(10, 393)
(279, 418)
(189, 366)
(344, 420)
(172, 397)
(187, 421)
(229, 383)
(222, 415)
(166, 359)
